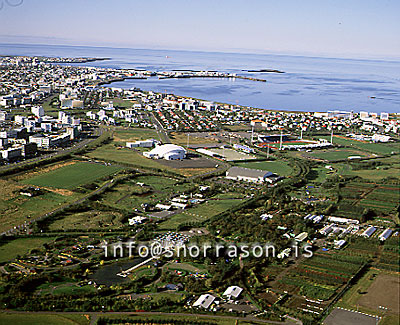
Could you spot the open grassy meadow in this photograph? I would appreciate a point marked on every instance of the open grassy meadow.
(73, 175)
(388, 167)
(200, 213)
(91, 219)
(15, 209)
(35, 319)
(337, 154)
(129, 195)
(20, 246)
(123, 135)
(182, 138)
(111, 152)
(377, 148)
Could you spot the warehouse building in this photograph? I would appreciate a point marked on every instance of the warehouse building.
(204, 301)
(251, 175)
(232, 292)
(385, 235)
(149, 143)
(369, 232)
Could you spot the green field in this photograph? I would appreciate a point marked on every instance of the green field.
(72, 176)
(337, 154)
(41, 319)
(377, 148)
(64, 288)
(154, 319)
(390, 168)
(358, 196)
(128, 195)
(278, 167)
(110, 152)
(200, 213)
(21, 246)
(17, 209)
(92, 219)
(132, 134)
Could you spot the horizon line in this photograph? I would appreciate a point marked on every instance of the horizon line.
(226, 51)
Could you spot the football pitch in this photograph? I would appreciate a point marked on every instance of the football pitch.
(72, 176)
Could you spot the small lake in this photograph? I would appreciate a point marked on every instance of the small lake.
(107, 274)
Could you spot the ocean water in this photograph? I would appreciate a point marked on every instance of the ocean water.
(308, 84)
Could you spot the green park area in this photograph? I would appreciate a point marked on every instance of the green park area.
(338, 154)
(15, 209)
(64, 288)
(373, 169)
(73, 175)
(201, 212)
(115, 153)
(277, 167)
(11, 249)
(30, 319)
(185, 319)
(122, 135)
(89, 219)
(377, 148)
(128, 195)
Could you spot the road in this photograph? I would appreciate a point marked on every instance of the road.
(59, 152)
(160, 129)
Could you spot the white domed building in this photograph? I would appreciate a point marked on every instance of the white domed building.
(167, 152)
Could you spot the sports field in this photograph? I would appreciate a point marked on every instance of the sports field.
(278, 167)
(337, 154)
(133, 134)
(72, 176)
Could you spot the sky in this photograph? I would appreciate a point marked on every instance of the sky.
(339, 28)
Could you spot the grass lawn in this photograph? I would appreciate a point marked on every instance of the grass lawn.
(21, 246)
(158, 183)
(72, 176)
(182, 138)
(93, 219)
(390, 169)
(35, 319)
(63, 288)
(200, 213)
(119, 102)
(187, 319)
(377, 148)
(126, 156)
(127, 196)
(185, 267)
(278, 167)
(390, 320)
(132, 134)
(17, 209)
(337, 154)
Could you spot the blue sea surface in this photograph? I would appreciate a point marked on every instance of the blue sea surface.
(308, 84)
